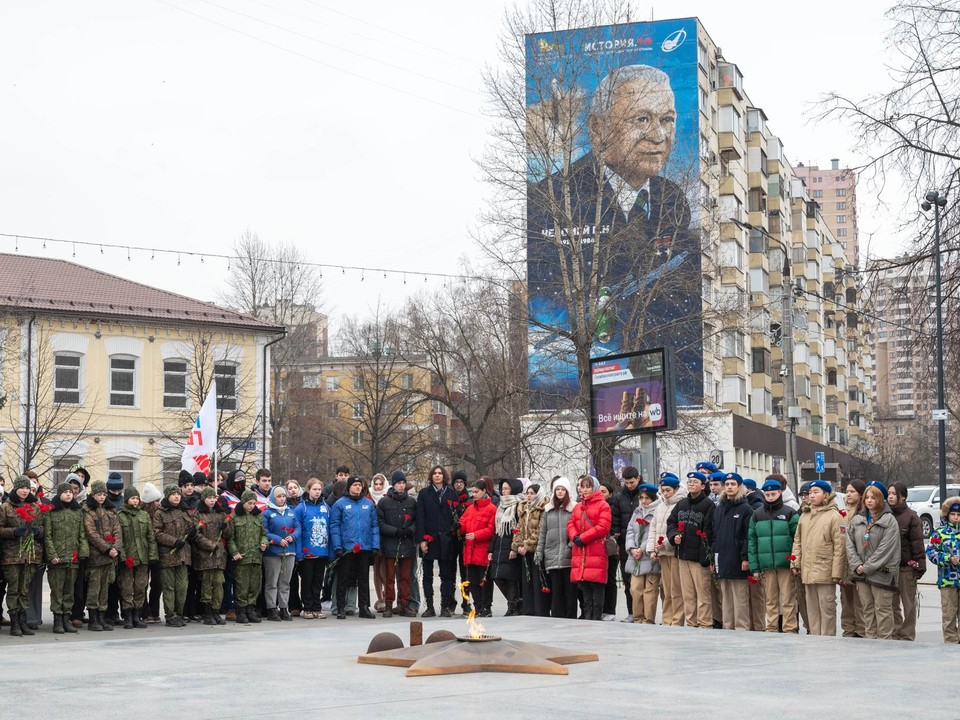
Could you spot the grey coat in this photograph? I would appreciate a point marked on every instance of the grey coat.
(880, 554)
(554, 545)
(636, 537)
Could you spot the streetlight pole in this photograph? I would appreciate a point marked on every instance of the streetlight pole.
(934, 199)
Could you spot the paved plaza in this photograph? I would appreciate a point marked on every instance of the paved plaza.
(305, 669)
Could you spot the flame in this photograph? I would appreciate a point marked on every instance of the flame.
(474, 629)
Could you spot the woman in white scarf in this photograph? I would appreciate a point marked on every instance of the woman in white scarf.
(504, 565)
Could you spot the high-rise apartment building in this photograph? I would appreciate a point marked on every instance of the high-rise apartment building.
(835, 191)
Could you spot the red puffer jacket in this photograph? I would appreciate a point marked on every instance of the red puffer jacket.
(479, 519)
(591, 521)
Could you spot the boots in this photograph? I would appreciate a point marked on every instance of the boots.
(58, 624)
(94, 623)
(137, 622)
(446, 609)
(15, 630)
(252, 614)
(429, 612)
(67, 625)
(217, 618)
(127, 619)
(24, 627)
(104, 621)
(285, 614)
(208, 616)
(242, 615)
(273, 615)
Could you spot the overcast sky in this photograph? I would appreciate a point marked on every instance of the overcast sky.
(350, 130)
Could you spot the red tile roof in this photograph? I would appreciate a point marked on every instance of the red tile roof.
(59, 286)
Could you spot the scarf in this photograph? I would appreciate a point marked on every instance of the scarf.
(507, 515)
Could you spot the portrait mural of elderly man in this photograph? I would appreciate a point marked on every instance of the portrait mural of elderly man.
(613, 251)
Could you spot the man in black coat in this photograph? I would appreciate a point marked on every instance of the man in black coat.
(690, 529)
(396, 513)
(436, 505)
(731, 523)
(622, 505)
(625, 215)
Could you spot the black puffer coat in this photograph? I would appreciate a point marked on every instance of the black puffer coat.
(397, 515)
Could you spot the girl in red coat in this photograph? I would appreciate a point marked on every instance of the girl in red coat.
(588, 528)
(476, 526)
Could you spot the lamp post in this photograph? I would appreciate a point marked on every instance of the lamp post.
(934, 199)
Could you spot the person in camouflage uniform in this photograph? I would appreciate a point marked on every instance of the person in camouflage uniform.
(173, 529)
(139, 550)
(105, 540)
(210, 555)
(65, 544)
(246, 547)
(21, 532)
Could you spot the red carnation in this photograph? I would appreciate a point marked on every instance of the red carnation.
(642, 521)
(201, 524)
(24, 512)
(73, 556)
(843, 513)
(128, 562)
(428, 538)
(791, 557)
(45, 507)
(109, 538)
(934, 541)
(545, 590)
(680, 526)
(516, 531)
(356, 548)
(407, 517)
(659, 539)
(751, 579)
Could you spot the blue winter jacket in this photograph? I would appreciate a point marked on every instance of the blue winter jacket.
(280, 522)
(314, 521)
(354, 521)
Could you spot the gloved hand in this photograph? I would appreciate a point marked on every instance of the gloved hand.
(577, 541)
(20, 531)
(193, 532)
(338, 552)
(179, 543)
(36, 532)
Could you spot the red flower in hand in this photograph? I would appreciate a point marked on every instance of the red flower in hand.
(934, 541)
(407, 517)
(45, 507)
(843, 513)
(428, 538)
(24, 512)
(201, 524)
(545, 590)
(356, 548)
(642, 521)
(109, 538)
(791, 557)
(516, 531)
(128, 562)
(751, 579)
(660, 539)
(73, 556)
(681, 526)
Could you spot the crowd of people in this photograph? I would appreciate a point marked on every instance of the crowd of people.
(714, 550)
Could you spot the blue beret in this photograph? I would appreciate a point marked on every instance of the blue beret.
(647, 487)
(669, 479)
(771, 485)
(823, 485)
(750, 483)
(706, 465)
(879, 486)
(716, 476)
(734, 476)
(697, 475)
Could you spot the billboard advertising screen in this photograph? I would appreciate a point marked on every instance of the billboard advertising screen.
(632, 393)
(613, 189)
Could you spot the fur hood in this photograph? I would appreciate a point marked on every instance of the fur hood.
(945, 508)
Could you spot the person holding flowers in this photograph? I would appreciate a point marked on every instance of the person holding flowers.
(209, 555)
(106, 540)
(396, 516)
(173, 529)
(65, 544)
(139, 550)
(246, 548)
(21, 533)
(435, 533)
(662, 550)
(355, 534)
(476, 525)
(643, 569)
(283, 532)
(313, 516)
(770, 550)
(730, 562)
(534, 577)
(690, 530)
(588, 529)
(554, 549)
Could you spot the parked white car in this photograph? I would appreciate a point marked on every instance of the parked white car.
(925, 501)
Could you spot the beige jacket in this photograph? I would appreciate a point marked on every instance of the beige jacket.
(818, 546)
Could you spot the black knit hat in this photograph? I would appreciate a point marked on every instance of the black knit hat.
(185, 478)
(199, 478)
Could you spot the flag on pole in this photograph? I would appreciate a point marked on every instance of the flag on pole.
(202, 442)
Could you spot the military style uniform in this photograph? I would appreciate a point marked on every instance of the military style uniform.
(103, 535)
(173, 529)
(139, 550)
(248, 535)
(64, 540)
(210, 558)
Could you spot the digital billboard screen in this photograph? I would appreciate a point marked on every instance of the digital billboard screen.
(632, 393)
(613, 197)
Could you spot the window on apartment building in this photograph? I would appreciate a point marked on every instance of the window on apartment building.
(756, 201)
(841, 218)
(225, 374)
(358, 411)
(66, 378)
(841, 192)
(734, 389)
(61, 468)
(841, 206)
(817, 194)
(438, 408)
(761, 360)
(123, 379)
(408, 408)
(333, 383)
(731, 121)
(731, 254)
(731, 343)
(703, 57)
(899, 430)
(842, 232)
(357, 438)
(406, 381)
(126, 466)
(310, 381)
(175, 383)
(333, 409)
(704, 100)
(357, 382)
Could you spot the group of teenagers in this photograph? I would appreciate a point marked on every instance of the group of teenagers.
(715, 550)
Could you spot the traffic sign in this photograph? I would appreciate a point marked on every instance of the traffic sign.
(940, 415)
(819, 460)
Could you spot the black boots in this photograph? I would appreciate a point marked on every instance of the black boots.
(285, 614)
(242, 615)
(365, 613)
(127, 619)
(252, 614)
(94, 623)
(273, 615)
(66, 624)
(105, 622)
(137, 622)
(208, 616)
(429, 612)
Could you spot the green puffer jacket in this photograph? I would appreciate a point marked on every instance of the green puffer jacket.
(103, 532)
(63, 533)
(770, 537)
(139, 542)
(248, 535)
